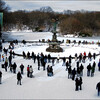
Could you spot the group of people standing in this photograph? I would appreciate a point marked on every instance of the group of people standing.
(42, 60)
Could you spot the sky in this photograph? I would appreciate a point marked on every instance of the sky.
(56, 5)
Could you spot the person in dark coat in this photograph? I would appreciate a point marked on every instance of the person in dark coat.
(81, 70)
(89, 56)
(19, 77)
(80, 57)
(0, 76)
(64, 60)
(38, 64)
(6, 64)
(94, 55)
(98, 87)
(28, 55)
(14, 68)
(80, 83)
(32, 55)
(11, 68)
(70, 59)
(44, 64)
(76, 84)
(94, 65)
(78, 71)
(10, 60)
(67, 64)
(34, 58)
(69, 72)
(92, 71)
(21, 68)
(53, 60)
(73, 74)
(99, 65)
(49, 70)
(49, 58)
(88, 69)
(24, 55)
(77, 64)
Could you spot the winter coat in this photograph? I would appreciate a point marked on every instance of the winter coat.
(89, 67)
(92, 69)
(0, 74)
(81, 67)
(69, 70)
(21, 67)
(27, 68)
(80, 81)
(99, 64)
(98, 86)
(19, 76)
(31, 70)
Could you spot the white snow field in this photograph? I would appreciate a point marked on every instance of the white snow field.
(41, 86)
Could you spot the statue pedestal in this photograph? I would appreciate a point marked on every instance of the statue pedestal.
(54, 47)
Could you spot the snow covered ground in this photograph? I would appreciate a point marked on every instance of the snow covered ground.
(42, 86)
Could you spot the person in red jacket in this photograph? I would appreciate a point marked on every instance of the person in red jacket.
(28, 72)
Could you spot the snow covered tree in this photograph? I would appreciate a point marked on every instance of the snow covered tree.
(46, 9)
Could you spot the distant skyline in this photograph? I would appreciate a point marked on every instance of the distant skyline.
(58, 6)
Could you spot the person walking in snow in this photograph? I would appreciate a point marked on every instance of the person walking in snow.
(98, 88)
(11, 68)
(34, 58)
(49, 70)
(69, 72)
(99, 65)
(24, 55)
(64, 60)
(28, 72)
(92, 71)
(38, 64)
(89, 56)
(94, 65)
(76, 84)
(21, 68)
(19, 77)
(32, 55)
(75, 56)
(49, 58)
(73, 74)
(0, 76)
(94, 55)
(58, 59)
(80, 57)
(67, 64)
(31, 71)
(78, 71)
(70, 60)
(88, 69)
(14, 68)
(80, 83)
(6, 64)
(81, 70)
(77, 64)
(10, 60)
(53, 60)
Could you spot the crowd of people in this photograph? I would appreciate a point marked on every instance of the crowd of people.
(42, 60)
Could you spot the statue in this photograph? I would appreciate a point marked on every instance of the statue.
(54, 45)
